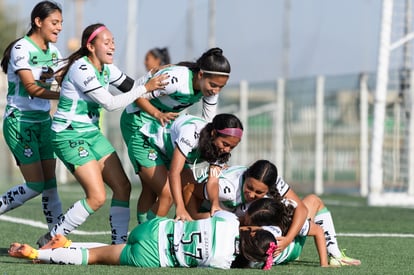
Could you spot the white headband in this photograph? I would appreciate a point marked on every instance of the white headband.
(214, 72)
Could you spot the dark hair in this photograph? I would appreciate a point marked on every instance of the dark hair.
(266, 172)
(253, 247)
(212, 60)
(267, 211)
(208, 151)
(161, 54)
(42, 10)
(82, 51)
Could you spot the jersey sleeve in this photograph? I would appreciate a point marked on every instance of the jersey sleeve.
(282, 186)
(187, 139)
(19, 57)
(226, 240)
(209, 106)
(170, 88)
(85, 80)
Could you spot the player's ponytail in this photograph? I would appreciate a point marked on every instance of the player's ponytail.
(211, 62)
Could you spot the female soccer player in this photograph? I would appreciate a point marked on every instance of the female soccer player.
(76, 135)
(30, 63)
(190, 83)
(239, 186)
(163, 155)
(156, 57)
(161, 242)
(277, 215)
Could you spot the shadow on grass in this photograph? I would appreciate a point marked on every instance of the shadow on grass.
(3, 251)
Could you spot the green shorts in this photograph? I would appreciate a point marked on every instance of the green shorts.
(143, 154)
(130, 124)
(142, 246)
(297, 249)
(28, 141)
(77, 148)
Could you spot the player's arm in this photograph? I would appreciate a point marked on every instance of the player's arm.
(145, 105)
(209, 107)
(174, 178)
(316, 231)
(298, 219)
(32, 88)
(193, 198)
(212, 187)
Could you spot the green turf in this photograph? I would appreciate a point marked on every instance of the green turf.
(379, 255)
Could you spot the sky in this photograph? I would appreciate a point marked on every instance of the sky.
(325, 37)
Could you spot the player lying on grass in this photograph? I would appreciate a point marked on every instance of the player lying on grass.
(162, 242)
(277, 216)
(239, 186)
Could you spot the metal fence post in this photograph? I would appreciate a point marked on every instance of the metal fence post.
(320, 86)
(364, 128)
(279, 126)
(244, 109)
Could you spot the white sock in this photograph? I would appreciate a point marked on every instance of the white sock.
(71, 255)
(15, 197)
(75, 216)
(87, 245)
(52, 207)
(119, 219)
(324, 219)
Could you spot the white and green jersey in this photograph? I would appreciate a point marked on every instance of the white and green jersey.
(26, 55)
(85, 91)
(212, 242)
(183, 133)
(231, 195)
(179, 94)
(290, 253)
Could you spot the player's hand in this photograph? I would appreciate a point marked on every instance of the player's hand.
(282, 243)
(157, 82)
(182, 215)
(165, 118)
(214, 209)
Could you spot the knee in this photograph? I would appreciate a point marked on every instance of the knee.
(315, 199)
(96, 201)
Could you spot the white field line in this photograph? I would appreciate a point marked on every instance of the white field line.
(80, 232)
(44, 226)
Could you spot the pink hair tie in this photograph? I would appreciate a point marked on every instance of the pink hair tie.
(269, 261)
(234, 132)
(95, 33)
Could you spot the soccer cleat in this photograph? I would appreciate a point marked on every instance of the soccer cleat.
(57, 241)
(44, 239)
(23, 251)
(342, 260)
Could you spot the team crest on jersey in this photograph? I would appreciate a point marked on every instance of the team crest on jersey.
(28, 152)
(106, 76)
(83, 152)
(55, 59)
(152, 155)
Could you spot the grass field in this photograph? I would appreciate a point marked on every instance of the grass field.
(382, 238)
